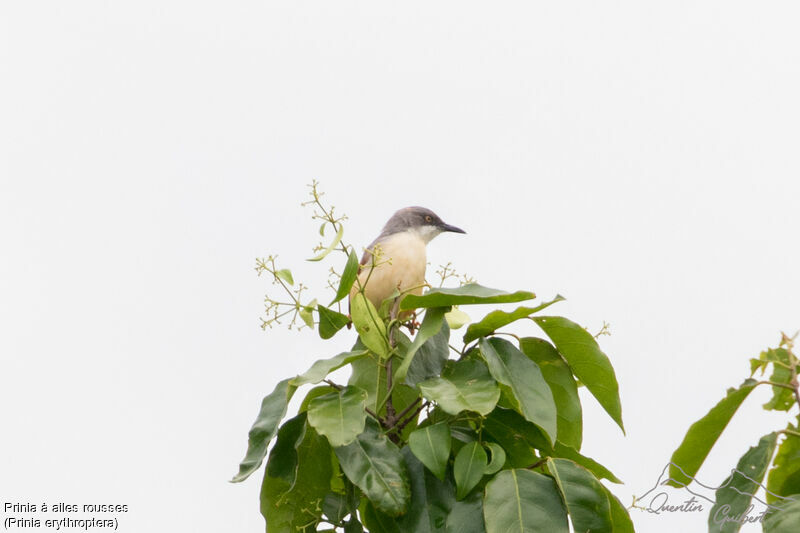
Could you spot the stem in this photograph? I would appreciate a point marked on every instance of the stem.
(391, 416)
(405, 422)
(782, 385)
(405, 411)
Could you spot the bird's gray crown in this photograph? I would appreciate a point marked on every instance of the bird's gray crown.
(413, 218)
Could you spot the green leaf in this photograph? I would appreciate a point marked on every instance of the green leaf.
(370, 376)
(297, 506)
(282, 463)
(619, 514)
(782, 397)
(339, 416)
(286, 275)
(735, 493)
(431, 499)
(369, 325)
(472, 293)
(702, 435)
(348, 277)
(374, 464)
(334, 243)
(497, 319)
(321, 368)
(586, 499)
(516, 435)
(431, 445)
(378, 522)
(457, 318)
(599, 471)
(565, 391)
(307, 316)
(335, 507)
(466, 515)
(315, 392)
(586, 360)
(525, 386)
(430, 359)
(784, 477)
(354, 526)
(464, 386)
(498, 458)
(468, 468)
(522, 501)
(787, 520)
(431, 325)
(330, 321)
(273, 408)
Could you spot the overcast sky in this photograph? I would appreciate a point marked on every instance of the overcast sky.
(640, 159)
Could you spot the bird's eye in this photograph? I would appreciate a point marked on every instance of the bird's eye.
(428, 218)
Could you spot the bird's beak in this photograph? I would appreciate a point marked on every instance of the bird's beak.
(448, 227)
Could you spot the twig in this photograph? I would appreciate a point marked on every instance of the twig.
(401, 426)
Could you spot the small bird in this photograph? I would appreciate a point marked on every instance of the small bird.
(396, 259)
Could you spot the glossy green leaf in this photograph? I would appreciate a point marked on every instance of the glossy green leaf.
(273, 408)
(334, 243)
(335, 507)
(523, 382)
(431, 325)
(282, 461)
(339, 416)
(378, 522)
(370, 376)
(430, 359)
(431, 445)
(516, 434)
(565, 391)
(599, 471)
(297, 506)
(522, 501)
(457, 318)
(374, 464)
(370, 327)
(497, 459)
(431, 499)
(322, 367)
(702, 435)
(587, 503)
(586, 360)
(619, 514)
(498, 318)
(466, 515)
(472, 293)
(468, 468)
(349, 275)
(784, 477)
(734, 495)
(330, 321)
(286, 275)
(315, 392)
(464, 386)
(787, 520)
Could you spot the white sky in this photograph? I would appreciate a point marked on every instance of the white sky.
(640, 159)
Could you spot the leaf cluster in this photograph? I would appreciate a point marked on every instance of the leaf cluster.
(736, 493)
(425, 436)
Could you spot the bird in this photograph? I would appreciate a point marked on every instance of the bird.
(396, 259)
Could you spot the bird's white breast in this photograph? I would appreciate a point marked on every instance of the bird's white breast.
(401, 265)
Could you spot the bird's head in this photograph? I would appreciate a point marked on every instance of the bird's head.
(424, 222)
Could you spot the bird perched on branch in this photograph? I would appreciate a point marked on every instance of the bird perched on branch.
(396, 259)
